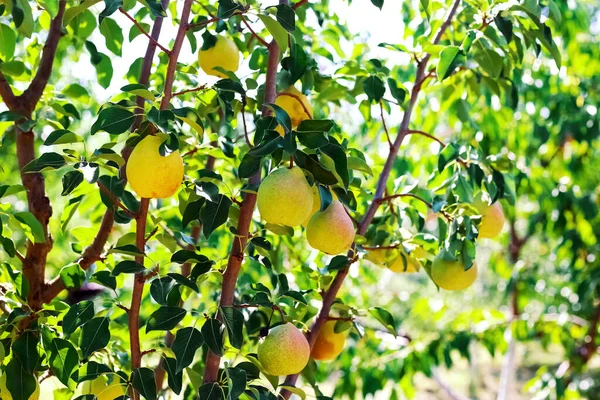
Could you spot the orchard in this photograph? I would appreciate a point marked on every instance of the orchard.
(311, 200)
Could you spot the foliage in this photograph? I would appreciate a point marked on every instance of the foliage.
(507, 90)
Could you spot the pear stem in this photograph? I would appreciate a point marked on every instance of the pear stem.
(291, 162)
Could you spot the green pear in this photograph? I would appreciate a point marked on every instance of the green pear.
(331, 230)
(451, 275)
(492, 217)
(285, 351)
(285, 197)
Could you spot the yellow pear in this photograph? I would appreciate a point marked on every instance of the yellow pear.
(152, 175)
(451, 275)
(285, 350)
(395, 259)
(285, 197)
(103, 390)
(492, 217)
(224, 54)
(331, 231)
(328, 344)
(5, 394)
(296, 105)
(405, 263)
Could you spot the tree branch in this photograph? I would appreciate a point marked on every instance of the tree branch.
(299, 4)
(115, 200)
(236, 256)
(264, 43)
(138, 288)
(387, 133)
(7, 94)
(33, 93)
(198, 89)
(331, 293)
(143, 31)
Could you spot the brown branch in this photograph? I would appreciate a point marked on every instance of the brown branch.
(348, 319)
(174, 54)
(331, 293)
(299, 101)
(244, 122)
(122, 307)
(115, 200)
(299, 4)
(414, 196)
(143, 31)
(430, 136)
(138, 288)
(236, 257)
(387, 133)
(28, 100)
(7, 93)
(264, 43)
(198, 89)
(203, 23)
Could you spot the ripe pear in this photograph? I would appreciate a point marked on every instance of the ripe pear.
(328, 344)
(5, 394)
(297, 110)
(331, 231)
(152, 175)
(394, 259)
(451, 275)
(492, 217)
(103, 390)
(224, 54)
(405, 263)
(285, 197)
(285, 350)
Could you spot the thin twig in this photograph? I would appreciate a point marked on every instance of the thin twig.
(143, 31)
(115, 200)
(387, 133)
(414, 196)
(197, 89)
(19, 256)
(417, 132)
(299, 4)
(256, 35)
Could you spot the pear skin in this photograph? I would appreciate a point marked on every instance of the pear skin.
(224, 54)
(328, 344)
(285, 350)
(451, 275)
(331, 231)
(152, 175)
(285, 197)
(492, 217)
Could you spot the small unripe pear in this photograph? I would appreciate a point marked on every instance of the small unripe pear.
(224, 54)
(492, 218)
(285, 197)
(451, 275)
(103, 390)
(331, 230)
(285, 350)
(152, 175)
(5, 394)
(328, 344)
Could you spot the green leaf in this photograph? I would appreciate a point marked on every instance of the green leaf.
(9, 190)
(237, 382)
(187, 342)
(374, 88)
(447, 155)
(212, 330)
(20, 383)
(37, 230)
(281, 116)
(25, 350)
(12, 68)
(234, 322)
(505, 26)
(63, 360)
(114, 120)
(143, 381)
(398, 92)
(165, 318)
(26, 26)
(313, 140)
(72, 276)
(338, 263)
(182, 280)
(91, 371)
(78, 314)
(174, 379)
(128, 267)
(315, 125)
(286, 17)
(160, 288)
(44, 162)
(215, 214)
(277, 31)
(49, 5)
(490, 61)
(227, 8)
(73, 12)
(183, 256)
(95, 335)
(104, 71)
(62, 136)
(385, 318)
(105, 279)
(450, 58)
(377, 3)
(338, 155)
(113, 34)
(358, 164)
(211, 391)
(110, 6)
